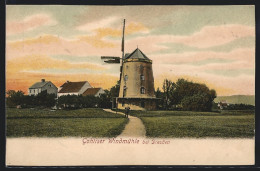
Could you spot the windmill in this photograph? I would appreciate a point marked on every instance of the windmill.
(136, 80)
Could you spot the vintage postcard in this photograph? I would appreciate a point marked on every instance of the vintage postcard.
(91, 85)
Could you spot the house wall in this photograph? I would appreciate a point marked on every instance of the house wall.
(34, 91)
(51, 88)
(101, 91)
(84, 88)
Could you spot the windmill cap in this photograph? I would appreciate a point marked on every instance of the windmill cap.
(138, 55)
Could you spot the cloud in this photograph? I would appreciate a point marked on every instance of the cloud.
(110, 26)
(99, 38)
(54, 45)
(39, 62)
(243, 56)
(91, 45)
(106, 22)
(244, 42)
(210, 36)
(29, 23)
(80, 46)
(228, 73)
(207, 37)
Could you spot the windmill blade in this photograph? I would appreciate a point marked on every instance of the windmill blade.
(111, 59)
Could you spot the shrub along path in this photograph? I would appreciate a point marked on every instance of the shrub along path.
(134, 128)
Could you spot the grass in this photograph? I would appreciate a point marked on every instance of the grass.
(13, 113)
(62, 123)
(224, 124)
(98, 123)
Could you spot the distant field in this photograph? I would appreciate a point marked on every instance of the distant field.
(60, 123)
(237, 99)
(228, 124)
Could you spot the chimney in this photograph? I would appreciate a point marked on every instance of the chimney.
(43, 80)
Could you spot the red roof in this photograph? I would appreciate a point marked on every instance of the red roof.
(70, 87)
(91, 91)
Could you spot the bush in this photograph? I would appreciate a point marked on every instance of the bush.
(75, 101)
(18, 98)
(45, 100)
(105, 100)
(197, 102)
(14, 98)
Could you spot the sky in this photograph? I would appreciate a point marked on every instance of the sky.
(213, 45)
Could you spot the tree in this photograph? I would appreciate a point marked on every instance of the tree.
(105, 100)
(30, 102)
(71, 102)
(44, 99)
(91, 101)
(14, 98)
(160, 95)
(114, 91)
(168, 89)
(193, 96)
(186, 95)
(197, 102)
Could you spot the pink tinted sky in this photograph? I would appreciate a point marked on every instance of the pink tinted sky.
(207, 44)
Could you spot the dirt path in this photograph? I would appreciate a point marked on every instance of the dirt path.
(134, 128)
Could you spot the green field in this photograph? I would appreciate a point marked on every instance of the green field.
(226, 124)
(61, 123)
(98, 123)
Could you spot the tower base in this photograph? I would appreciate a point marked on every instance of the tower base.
(137, 103)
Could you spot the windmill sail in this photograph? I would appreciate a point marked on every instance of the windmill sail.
(123, 40)
(111, 59)
(123, 50)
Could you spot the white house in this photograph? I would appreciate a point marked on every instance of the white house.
(43, 86)
(73, 88)
(94, 92)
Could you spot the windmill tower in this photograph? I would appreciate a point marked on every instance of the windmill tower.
(136, 80)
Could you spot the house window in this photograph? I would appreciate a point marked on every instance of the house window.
(123, 103)
(142, 77)
(142, 90)
(126, 77)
